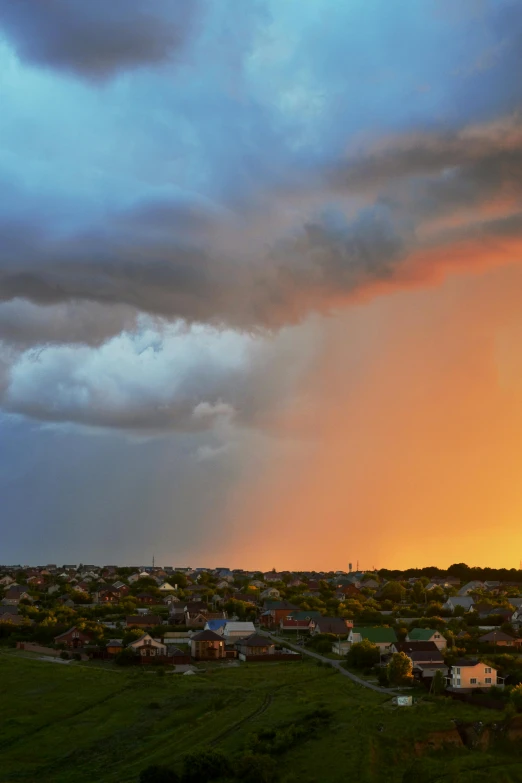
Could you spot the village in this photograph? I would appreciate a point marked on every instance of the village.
(437, 631)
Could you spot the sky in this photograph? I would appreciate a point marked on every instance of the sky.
(260, 282)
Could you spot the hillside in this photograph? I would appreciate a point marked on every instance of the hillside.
(83, 723)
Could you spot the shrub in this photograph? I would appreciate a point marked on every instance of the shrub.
(205, 765)
(256, 768)
(516, 696)
(126, 657)
(158, 774)
(363, 655)
(64, 655)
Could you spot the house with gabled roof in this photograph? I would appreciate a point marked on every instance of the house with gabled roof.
(427, 635)
(464, 601)
(382, 636)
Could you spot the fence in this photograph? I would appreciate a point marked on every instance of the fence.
(478, 700)
(271, 658)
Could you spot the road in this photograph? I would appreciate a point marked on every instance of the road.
(335, 664)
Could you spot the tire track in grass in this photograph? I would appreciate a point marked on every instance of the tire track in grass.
(255, 714)
(10, 742)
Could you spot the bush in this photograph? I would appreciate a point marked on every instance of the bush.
(256, 768)
(126, 657)
(363, 655)
(516, 697)
(77, 656)
(205, 765)
(64, 655)
(158, 774)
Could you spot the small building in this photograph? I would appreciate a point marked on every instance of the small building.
(469, 674)
(207, 646)
(114, 646)
(256, 644)
(73, 638)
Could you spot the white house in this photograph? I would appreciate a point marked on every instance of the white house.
(165, 587)
(456, 600)
(148, 646)
(470, 587)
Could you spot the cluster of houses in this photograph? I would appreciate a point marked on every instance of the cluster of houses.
(197, 614)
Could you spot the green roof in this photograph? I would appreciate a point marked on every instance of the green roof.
(377, 634)
(420, 634)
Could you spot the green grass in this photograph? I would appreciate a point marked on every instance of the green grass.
(85, 724)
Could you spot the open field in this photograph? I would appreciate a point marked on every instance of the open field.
(83, 723)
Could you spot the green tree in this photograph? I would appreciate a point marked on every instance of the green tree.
(400, 669)
(393, 591)
(363, 655)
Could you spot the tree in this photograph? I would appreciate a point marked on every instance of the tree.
(418, 593)
(202, 766)
(393, 591)
(158, 774)
(516, 696)
(363, 655)
(400, 669)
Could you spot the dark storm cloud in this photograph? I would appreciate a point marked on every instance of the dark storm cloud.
(95, 39)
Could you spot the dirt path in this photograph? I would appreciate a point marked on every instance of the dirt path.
(336, 665)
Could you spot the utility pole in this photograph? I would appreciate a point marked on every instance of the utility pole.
(153, 562)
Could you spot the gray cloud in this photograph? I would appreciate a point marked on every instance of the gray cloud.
(192, 261)
(96, 39)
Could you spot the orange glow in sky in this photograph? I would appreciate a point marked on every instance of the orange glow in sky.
(405, 445)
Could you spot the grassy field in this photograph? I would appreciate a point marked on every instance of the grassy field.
(82, 723)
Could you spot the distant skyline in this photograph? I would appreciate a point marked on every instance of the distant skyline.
(260, 281)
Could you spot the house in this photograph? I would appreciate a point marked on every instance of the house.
(143, 621)
(146, 598)
(271, 592)
(165, 587)
(114, 646)
(500, 639)
(6, 580)
(275, 610)
(466, 602)
(73, 638)
(335, 625)
(470, 587)
(468, 675)
(381, 636)
(427, 635)
(16, 593)
(425, 656)
(207, 646)
(148, 647)
(237, 630)
(255, 645)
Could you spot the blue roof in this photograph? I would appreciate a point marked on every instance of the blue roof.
(213, 625)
